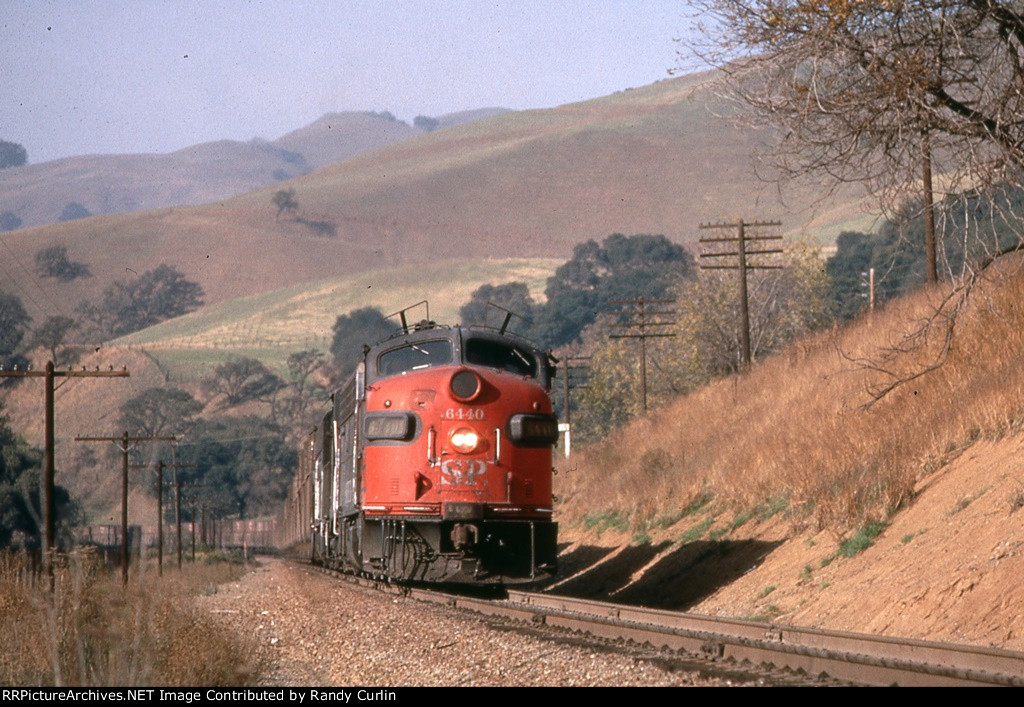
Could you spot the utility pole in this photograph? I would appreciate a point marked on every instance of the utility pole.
(49, 374)
(193, 499)
(741, 253)
(177, 502)
(160, 466)
(159, 513)
(124, 439)
(929, 208)
(192, 503)
(639, 320)
(570, 383)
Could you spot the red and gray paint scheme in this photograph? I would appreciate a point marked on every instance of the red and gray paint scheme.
(434, 462)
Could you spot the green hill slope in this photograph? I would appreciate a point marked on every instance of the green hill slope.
(272, 325)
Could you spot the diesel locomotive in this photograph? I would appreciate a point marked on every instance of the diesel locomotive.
(434, 462)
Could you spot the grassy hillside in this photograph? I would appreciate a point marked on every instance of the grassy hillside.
(272, 325)
(335, 137)
(656, 159)
(797, 433)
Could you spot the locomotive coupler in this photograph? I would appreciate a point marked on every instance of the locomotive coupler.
(465, 535)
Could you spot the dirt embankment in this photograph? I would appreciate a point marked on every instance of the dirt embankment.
(947, 567)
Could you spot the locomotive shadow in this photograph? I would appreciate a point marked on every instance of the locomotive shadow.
(592, 573)
(579, 558)
(680, 579)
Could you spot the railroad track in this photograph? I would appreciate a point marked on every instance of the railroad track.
(842, 656)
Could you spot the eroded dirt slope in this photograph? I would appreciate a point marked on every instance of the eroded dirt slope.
(948, 567)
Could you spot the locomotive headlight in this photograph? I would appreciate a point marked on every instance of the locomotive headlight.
(465, 440)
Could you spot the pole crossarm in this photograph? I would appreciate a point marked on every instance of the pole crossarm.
(749, 252)
(29, 373)
(741, 222)
(641, 300)
(736, 267)
(126, 438)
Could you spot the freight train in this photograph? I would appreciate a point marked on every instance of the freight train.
(434, 461)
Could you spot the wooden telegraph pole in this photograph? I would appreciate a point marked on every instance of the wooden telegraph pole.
(741, 239)
(124, 439)
(160, 466)
(49, 374)
(176, 482)
(643, 327)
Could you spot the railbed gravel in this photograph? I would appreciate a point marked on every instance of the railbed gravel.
(315, 630)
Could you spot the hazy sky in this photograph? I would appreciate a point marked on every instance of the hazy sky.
(110, 76)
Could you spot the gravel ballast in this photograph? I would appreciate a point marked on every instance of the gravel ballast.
(314, 630)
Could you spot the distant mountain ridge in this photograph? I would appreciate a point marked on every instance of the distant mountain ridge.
(336, 137)
(199, 174)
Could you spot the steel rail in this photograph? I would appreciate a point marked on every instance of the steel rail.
(878, 660)
(843, 656)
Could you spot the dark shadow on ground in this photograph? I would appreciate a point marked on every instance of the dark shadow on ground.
(580, 558)
(682, 578)
(604, 578)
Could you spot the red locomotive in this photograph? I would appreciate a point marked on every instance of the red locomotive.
(434, 463)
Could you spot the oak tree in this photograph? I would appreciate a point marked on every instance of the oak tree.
(152, 297)
(52, 336)
(284, 200)
(240, 379)
(54, 262)
(353, 331)
(12, 154)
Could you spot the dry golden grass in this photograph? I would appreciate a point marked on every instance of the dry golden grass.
(93, 632)
(799, 430)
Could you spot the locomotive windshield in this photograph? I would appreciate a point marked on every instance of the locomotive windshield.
(504, 357)
(413, 357)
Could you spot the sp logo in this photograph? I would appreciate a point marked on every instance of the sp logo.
(462, 472)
